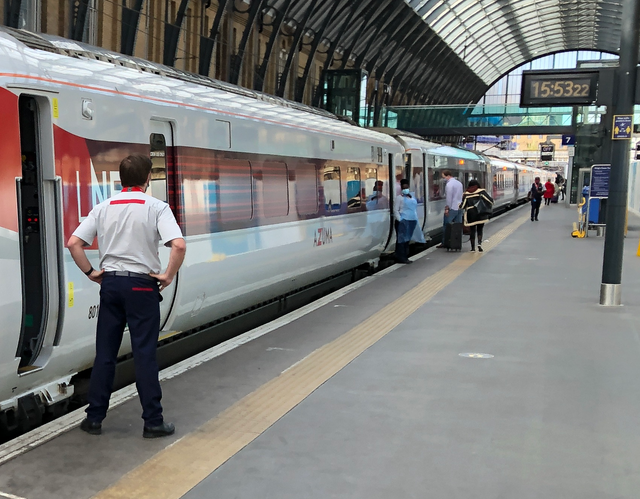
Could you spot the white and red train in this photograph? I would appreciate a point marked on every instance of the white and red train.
(271, 196)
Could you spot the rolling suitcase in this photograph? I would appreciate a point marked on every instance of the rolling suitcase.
(453, 237)
(554, 199)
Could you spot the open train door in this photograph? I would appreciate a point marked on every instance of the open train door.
(163, 174)
(40, 235)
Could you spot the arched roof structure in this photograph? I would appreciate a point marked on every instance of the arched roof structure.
(424, 51)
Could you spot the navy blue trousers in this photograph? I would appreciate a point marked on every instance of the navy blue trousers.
(136, 302)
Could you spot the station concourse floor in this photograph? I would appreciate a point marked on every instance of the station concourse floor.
(368, 397)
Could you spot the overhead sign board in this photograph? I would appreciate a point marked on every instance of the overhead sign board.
(599, 181)
(546, 152)
(622, 126)
(559, 88)
(568, 140)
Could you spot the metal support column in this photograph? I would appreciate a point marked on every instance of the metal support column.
(207, 44)
(130, 20)
(610, 288)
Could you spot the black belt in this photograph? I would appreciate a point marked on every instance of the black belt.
(124, 273)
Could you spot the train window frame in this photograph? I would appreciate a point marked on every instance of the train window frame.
(354, 203)
(158, 185)
(332, 170)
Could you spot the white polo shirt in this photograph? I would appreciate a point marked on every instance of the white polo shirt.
(130, 226)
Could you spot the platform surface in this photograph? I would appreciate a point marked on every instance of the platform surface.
(369, 397)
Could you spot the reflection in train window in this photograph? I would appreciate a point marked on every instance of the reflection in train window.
(332, 190)
(274, 188)
(436, 190)
(158, 153)
(353, 188)
(235, 190)
(399, 176)
(306, 189)
(370, 179)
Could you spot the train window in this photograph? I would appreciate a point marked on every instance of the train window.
(436, 184)
(399, 177)
(273, 183)
(353, 188)
(416, 183)
(332, 190)
(234, 190)
(306, 189)
(370, 181)
(158, 153)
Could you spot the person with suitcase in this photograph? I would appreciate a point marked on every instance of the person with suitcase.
(452, 214)
(477, 205)
(405, 209)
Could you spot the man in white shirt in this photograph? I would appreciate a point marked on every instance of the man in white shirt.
(129, 227)
(453, 193)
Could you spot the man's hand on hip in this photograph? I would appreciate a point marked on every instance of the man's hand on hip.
(163, 279)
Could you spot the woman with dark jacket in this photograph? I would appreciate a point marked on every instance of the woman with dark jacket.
(477, 206)
(536, 198)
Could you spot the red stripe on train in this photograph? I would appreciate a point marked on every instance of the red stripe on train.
(128, 201)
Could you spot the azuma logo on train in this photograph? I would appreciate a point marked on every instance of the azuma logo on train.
(323, 236)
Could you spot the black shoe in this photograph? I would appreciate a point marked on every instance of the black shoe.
(532, 219)
(404, 261)
(536, 219)
(90, 427)
(480, 249)
(163, 430)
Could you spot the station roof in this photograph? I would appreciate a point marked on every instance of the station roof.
(447, 51)
(495, 36)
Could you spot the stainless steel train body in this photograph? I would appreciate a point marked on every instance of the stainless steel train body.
(424, 163)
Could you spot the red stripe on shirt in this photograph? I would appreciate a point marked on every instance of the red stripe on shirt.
(128, 201)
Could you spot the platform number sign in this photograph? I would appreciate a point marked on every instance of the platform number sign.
(568, 140)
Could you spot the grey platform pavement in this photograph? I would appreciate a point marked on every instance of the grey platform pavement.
(555, 412)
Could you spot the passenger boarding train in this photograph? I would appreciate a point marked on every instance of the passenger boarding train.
(270, 195)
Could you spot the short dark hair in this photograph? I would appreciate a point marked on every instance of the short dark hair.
(446, 173)
(134, 170)
(473, 182)
(404, 181)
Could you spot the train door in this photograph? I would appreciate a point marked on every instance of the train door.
(163, 173)
(392, 198)
(40, 233)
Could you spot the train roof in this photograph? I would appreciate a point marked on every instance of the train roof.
(412, 141)
(68, 61)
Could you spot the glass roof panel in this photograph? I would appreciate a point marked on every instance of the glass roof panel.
(494, 36)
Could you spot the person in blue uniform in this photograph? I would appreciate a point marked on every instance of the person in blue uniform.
(405, 209)
(129, 227)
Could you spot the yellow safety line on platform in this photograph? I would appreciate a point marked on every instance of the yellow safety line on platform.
(177, 469)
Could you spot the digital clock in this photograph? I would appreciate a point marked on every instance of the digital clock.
(558, 88)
